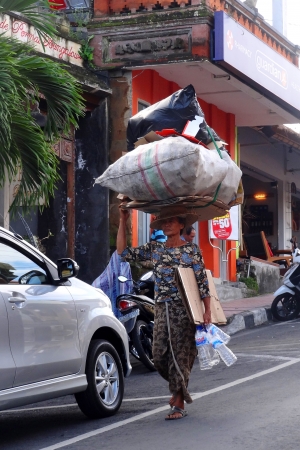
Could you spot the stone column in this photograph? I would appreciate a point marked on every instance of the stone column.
(284, 214)
(91, 202)
(120, 112)
(288, 215)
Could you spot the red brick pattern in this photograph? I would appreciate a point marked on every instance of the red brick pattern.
(105, 7)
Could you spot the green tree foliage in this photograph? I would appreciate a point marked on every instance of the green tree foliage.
(24, 78)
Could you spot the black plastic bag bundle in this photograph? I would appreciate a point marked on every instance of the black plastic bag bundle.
(172, 112)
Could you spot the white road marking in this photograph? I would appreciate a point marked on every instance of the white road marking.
(121, 423)
(143, 399)
(139, 399)
(278, 358)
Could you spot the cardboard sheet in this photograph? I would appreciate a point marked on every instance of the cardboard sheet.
(217, 313)
(150, 137)
(189, 291)
(194, 203)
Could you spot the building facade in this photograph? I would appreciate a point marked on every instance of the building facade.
(75, 224)
(245, 75)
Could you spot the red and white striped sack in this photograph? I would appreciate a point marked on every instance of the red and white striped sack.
(164, 169)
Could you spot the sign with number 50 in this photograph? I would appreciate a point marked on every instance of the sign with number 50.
(225, 227)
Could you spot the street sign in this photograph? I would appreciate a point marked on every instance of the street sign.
(225, 227)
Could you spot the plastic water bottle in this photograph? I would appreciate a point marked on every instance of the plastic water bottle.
(215, 332)
(227, 356)
(214, 355)
(203, 347)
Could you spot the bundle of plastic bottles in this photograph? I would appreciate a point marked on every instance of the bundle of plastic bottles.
(211, 345)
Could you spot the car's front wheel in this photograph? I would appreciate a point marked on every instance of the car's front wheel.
(104, 394)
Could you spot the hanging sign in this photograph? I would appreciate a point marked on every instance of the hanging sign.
(225, 227)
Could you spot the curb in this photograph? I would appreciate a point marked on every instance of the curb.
(247, 319)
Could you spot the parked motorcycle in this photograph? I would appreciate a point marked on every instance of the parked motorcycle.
(137, 316)
(286, 304)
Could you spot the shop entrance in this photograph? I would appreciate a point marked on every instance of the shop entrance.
(260, 208)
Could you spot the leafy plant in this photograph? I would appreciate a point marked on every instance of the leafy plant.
(250, 282)
(87, 52)
(79, 18)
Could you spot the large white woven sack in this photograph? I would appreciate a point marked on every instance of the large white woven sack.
(164, 169)
(230, 184)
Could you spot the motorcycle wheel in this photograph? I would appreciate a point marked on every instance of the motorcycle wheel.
(143, 341)
(285, 307)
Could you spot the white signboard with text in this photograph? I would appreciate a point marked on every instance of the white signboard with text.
(60, 48)
(225, 227)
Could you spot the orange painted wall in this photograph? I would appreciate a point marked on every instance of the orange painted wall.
(149, 86)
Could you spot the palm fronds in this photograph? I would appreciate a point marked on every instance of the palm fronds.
(59, 88)
(25, 76)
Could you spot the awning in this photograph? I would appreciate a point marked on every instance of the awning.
(216, 86)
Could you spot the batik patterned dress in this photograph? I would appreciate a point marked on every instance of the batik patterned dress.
(176, 367)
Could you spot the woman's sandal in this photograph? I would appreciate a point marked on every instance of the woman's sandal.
(174, 410)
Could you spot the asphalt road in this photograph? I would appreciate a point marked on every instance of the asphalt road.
(254, 404)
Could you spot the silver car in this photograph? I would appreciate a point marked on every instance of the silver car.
(58, 335)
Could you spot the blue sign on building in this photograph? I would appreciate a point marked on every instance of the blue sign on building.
(250, 59)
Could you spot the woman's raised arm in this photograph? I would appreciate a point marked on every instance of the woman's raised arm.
(121, 236)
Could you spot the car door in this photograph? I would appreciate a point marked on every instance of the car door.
(7, 367)
(41, 317)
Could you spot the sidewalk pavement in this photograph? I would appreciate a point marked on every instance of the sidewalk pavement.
(247, 312)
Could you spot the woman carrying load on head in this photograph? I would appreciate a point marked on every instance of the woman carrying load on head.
(174, 349)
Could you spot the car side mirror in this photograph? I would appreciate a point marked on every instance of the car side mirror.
(67, 268)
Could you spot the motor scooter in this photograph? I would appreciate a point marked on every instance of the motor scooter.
(137, 316)
(286, 304)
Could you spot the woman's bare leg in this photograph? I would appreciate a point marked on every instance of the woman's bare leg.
(179, 402)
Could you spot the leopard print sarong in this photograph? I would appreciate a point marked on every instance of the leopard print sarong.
(183, 344)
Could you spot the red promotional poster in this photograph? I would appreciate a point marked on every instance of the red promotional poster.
(222, 227)
(57, 4)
